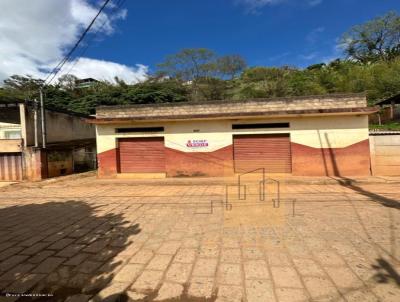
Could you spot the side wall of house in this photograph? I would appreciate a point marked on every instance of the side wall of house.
(329, 145)
(60, 127)
(385, 159)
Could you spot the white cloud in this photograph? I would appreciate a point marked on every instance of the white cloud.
(313, 35)
(314, 2)
(34, 36)
(309, 56)
(105, 70)
(253, 6)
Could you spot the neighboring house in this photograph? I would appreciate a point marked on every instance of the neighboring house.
(390, 110)
(85, 83)
(313, 135)
(70, 142)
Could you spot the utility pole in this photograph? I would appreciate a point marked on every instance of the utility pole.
(35, 119)
(43, 118)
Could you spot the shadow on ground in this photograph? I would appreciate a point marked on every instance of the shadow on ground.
(385, 272)
(60, 248)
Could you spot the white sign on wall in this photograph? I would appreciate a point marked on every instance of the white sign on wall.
(197, 143)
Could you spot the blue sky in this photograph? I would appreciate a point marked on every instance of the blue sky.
(35, 35)
(293, 32)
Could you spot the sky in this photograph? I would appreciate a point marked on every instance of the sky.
(129, 42)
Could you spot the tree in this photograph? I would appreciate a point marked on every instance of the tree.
(231, 65)
(378, 39)
(67, 81)
(189, 64)
(23, 86)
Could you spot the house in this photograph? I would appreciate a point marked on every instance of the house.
(390, 110)
(313, 135)
(69, 142)
(85, 83)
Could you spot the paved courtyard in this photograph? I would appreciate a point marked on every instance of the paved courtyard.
(90, 240)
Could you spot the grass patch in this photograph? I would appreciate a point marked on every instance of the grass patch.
(386, 126)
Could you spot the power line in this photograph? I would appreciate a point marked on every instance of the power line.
(83, 51)
(57, 69)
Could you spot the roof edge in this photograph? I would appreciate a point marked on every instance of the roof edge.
(227, 101)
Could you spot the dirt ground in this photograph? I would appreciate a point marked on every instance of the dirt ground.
(82, 239)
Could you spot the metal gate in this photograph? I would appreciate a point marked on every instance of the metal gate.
(10, 166)
(269, 151)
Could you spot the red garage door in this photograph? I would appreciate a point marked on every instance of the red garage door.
(269, 151)
(141, 155)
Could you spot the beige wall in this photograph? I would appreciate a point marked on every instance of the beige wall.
(317, 132)
(385, 155)
(60, 127)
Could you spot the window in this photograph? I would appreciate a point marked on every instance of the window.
(261, 126)
(140, 129)
(13, 134)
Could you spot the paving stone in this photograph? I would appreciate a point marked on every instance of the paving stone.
(89, 266)
(229, 274)
(259, 290)
(278, 258)
(48, 265)
(11, 262)
(256, 269)
(31, 241)
(142, 257)
(209, 251)
(329, 258)
(147, 281)
(77, 259)
(308, 267)
(229, 293)
(96, 246)
(320, 287)
(252, 253)
(179, 272)
(159, 262)
(78, 298)
(344, 278)
(111, 293)
(25, 283)
(17, 272)
(128, 273)
(201, 287)
(70, 250)
(61, 244)
(185, 255)
(291, 295)
(285, 276)
(169, 247)
(169, 291)
(231, 255)
(205, 267)
(10, 252)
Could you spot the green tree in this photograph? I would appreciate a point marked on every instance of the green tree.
(378, 39)
(230, 66)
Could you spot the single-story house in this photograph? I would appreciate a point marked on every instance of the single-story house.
(69, 142)
(312, 135)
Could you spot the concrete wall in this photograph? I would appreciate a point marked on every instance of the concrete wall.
(385, 155)
(60, 127)
(329, 145)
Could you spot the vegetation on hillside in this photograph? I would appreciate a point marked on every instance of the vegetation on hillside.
(371, 65)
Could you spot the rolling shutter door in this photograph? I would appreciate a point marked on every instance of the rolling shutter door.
(271, 152)
(11, 166)
(142, 155)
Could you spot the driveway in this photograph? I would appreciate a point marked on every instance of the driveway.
(85, 239)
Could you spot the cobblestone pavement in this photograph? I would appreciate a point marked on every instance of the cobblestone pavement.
(86, 240)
